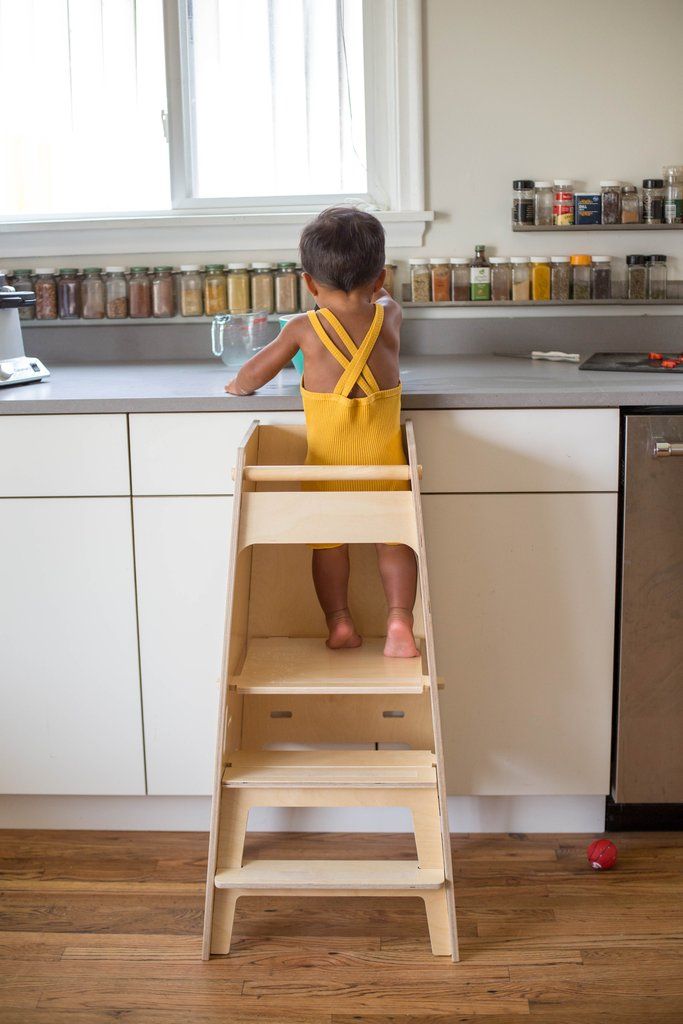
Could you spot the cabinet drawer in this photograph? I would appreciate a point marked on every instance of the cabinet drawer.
(190, 453)
(63, 456)
(506, 450)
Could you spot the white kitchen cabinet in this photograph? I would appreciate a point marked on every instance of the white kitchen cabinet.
(69, 678)
(181, 547)
(523, 591)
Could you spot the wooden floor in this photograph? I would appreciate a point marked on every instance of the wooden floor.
(99, 927)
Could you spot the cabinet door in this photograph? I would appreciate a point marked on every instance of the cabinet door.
(69, 679)
(181, 547)
(522, 592)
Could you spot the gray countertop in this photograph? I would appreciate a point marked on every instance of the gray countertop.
(429, 382)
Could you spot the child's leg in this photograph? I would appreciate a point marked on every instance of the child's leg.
(398, 569)
(331, 579)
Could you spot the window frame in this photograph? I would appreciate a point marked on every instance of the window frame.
(395, 155)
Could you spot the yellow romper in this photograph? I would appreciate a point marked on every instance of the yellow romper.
(344, 431)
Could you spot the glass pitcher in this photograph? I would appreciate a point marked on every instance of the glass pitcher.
(235, 337)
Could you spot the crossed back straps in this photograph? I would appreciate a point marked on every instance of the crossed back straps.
(356, 370)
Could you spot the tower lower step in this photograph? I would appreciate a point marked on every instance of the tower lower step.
(329, 874)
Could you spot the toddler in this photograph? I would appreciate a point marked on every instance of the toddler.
(351, 395)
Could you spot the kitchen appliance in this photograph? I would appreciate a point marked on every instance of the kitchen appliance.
(630, 362)
(15, 366)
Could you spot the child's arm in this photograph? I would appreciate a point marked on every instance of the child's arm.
(266, 364)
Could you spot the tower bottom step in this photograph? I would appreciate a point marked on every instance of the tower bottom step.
(329, 874)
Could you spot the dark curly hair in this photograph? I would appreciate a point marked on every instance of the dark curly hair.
(343, 248)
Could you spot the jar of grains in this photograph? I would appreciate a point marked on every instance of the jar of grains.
(139, 293)
(630, 205)
(637, 277)
(163, 292)
(286, 288)
(610, 191)
(92, 294)
(215, 289)
(544, 197)
(653, 200)
(521, 278)
(441, 279)
(501, 279)
(523, 201)
(560, 278)
(460, 272)
(191, 301)
(563, 202)
(581, 276)
(45, 287)
(21, 282)
(420, 280)
(656, 277)
(540, 278)
(601, 277)
(116, 292)
(68, 294)
(263, 287)
(389, 278)
(306, 300)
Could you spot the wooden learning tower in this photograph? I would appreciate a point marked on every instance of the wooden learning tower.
(291, 710)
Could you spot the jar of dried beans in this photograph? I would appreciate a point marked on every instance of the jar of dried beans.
(560, 278)
(116, 290)
(191, 303)
(21, 282)
(581, 277)
(637, 277)
(92, 294)
(163, 292)
(540, 278)
(140, 293)
(611, 201)
(68, 294)
(521, 278)
(460, 270)
(441, 279)
(45, 287)
(215, 290)
(286, 288)
(420, 280)
(501, 280)
(263, 287)
(601, 277)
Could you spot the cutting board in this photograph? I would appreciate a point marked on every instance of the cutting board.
(627, 362)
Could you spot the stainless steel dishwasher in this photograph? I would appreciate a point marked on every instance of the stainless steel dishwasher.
(649, 721)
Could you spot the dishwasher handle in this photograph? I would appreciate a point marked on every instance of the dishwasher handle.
(662, 449)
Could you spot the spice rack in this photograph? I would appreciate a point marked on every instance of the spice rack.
(596, 227)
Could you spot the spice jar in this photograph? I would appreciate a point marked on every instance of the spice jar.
(262, 287)
(163, 292)
(656, 276)
(191, 302)
(420, 281)
(521, 278)
(480, 276)
(45, 287)
(501, 279)
(92, 294)
(653, 200)
(139, 293)
(389, 278)
(523, 201)
(540, 278)
(563, 202)
(286, 288)
(673, 197)
(630, 205)
(610, 191)
(441, 279)
(637, 277)
(116, 291)
(215, 290)
(306, 300)
(68, 294)
(460, 274)
(581, 277)
(601, 277)
(21, 282)
(544, 197)
(560, 278)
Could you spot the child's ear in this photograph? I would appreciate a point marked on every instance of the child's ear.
(311, 285)
(379, 283)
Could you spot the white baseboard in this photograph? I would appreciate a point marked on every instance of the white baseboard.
(168, 813)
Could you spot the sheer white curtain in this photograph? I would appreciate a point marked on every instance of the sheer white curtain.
(277, 97)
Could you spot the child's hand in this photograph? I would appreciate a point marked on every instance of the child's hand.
(233, 388)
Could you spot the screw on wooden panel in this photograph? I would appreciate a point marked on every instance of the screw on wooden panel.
(393, 714)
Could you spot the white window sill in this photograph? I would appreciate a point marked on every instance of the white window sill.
(210, 232)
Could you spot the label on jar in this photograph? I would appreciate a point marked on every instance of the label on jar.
(480, 283)
(673, 211)
(522, 211)
(563, 208)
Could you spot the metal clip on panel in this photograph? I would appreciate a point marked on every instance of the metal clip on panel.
(662, 449)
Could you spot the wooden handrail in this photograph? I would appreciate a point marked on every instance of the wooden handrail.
(325, 473)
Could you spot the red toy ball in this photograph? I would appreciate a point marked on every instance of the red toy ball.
(602, 854)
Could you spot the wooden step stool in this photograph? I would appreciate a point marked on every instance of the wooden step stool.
(283, 689)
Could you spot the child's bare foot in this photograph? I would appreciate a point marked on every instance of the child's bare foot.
(342, 630)
(400, 640)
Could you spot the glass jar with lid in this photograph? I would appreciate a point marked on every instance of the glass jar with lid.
(563, 202)
(523, 201)
(460, 271)
(191, 301)
(139, 293)
(501, 278)
(45, 287)
(239, 290)
(630, 205)
(21, 282)
(521, 278)
(540, 278)
(581, 276)
(544, 197)
(68, 294)
(440, 270)
(93, 302)
(389, 278)
(656, 276)
(601, 277)
(420, 280)
(163, 293)
(610, 191)
(263, 287)
(116, 292)
(637, 277)
(653, 200)
(560, 278)
(215, 290)
(286, 288)
(306, 300)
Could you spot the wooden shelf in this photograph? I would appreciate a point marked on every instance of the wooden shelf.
(404, 769)
(596, 227)
(329, 874)
(304, 665)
